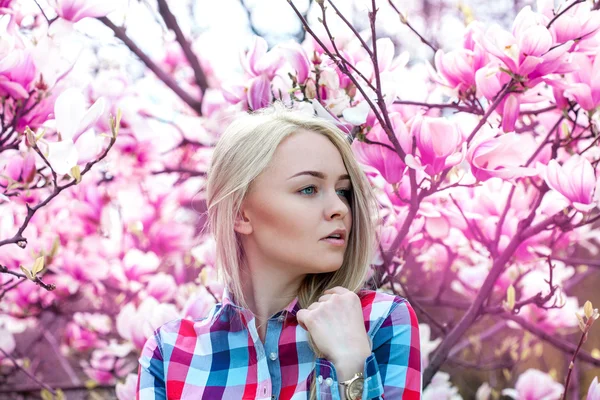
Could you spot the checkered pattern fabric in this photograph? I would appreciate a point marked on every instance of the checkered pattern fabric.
(222, 357)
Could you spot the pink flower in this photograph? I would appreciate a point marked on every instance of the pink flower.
(137, 264)
(296, 56)
(259, 92)
(137, 324)
(594, 390)
(457, 68)
(162, 287)
(382, 158)
(17, 72)
(535, 385)
(75, 10)
(575, 180)
(490, 80)
(257, 60)
(501, 157)
(585, 89)
(438, 144)
(108, 364)
(20, 168)
(79, 338)
(579, 22)
(198, 305)
(529, 50)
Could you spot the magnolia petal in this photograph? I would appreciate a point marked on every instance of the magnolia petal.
(385, 53)
(511, 113)
(69, 110)
(62, 156)
(413, 162)
(89, 145)
(13, 89)
(322, 112)
(296, 56)
(584, 207)
(91, 116)
(259, 93)
(357, 115)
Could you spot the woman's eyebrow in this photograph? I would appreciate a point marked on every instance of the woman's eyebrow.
(319, 175)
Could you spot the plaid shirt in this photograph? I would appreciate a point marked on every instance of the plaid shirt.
(222, 357)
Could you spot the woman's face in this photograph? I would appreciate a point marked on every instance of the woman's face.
(288, 211)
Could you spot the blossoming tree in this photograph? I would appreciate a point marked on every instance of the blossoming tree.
(484, 155)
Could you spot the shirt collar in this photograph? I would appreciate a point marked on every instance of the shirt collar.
(228, 300)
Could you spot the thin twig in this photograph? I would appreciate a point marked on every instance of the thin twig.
(171, 22)
(563, 11)
(195, 104)
(405, 22)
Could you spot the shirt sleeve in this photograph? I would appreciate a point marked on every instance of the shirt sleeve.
(393, 370)
(151, 375)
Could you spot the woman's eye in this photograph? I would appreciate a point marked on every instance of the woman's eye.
(345, 192)
(306, 188)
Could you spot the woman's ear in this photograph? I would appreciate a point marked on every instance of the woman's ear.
(242, 223)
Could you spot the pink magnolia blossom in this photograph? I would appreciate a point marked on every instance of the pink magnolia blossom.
(17, 72)
(296, 56)
(578, 22)
(438, 144)
(529, 51)
(261, 66)
(162, 287)
(138, 265)
(198, 305)
(575, 180)
(75, 10)
(585, 89)
(456, 69)
(19, 168)
(136, 324)
(490, 81)
(108, 364)
(79, 338)
(382, 158)
(594, 390)
(501, 157)
(535, 385)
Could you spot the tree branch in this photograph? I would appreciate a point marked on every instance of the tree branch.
(171, 22)
(195, 104)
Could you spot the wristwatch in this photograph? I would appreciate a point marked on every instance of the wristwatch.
(354, 386)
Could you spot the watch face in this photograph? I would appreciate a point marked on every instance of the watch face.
(356, 388)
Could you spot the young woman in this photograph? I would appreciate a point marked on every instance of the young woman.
(294, 219)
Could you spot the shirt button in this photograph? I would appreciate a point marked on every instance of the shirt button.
(320, 379)
(329, 381)
(273, 356)
(281, 318)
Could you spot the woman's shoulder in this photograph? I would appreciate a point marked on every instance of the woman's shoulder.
(186, 326)
(378, 305)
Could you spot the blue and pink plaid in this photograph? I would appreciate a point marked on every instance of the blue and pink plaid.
(222, 357)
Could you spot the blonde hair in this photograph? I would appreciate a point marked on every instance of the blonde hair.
(242, 152)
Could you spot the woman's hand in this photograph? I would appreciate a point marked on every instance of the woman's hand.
(337, 327)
